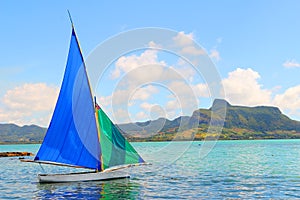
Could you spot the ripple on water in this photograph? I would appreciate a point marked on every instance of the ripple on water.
(232, 170)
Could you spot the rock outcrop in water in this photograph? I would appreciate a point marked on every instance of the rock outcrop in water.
(15, 154)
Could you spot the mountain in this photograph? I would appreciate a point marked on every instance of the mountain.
(11, 133)
(259, 118)
(241, 122)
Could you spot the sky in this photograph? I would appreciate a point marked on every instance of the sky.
(254, 47)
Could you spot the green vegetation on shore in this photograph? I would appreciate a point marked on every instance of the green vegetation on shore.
(227, 134)
(241, 123)
(14, 134)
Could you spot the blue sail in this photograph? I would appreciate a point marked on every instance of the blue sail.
(72, 136)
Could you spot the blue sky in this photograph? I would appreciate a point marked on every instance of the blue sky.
(255, 46)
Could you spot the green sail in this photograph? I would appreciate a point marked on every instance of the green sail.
(115, 149)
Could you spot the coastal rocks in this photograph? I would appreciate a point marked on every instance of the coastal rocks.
(14, 154)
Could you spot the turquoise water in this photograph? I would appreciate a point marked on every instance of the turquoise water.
(258, 169)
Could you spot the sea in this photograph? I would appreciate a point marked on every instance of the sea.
(244, 169)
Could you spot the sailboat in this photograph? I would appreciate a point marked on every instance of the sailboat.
(80, 134)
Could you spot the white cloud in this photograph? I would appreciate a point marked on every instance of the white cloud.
(187, 44)
(181, 88)
(144, 69)
(186, 98)
(146, 106)
(291, 64)
(154, 45)
(154, 111)
(214, 54)
(141, 116)
(28, 103)
(191, 50)
(144, 93)
(130, 62)
(104, 101)
(126, 64)
(201, 90)
(116, 73)
(119, 115)
(144, 74)
(122, 99)
(172, 105)
(157, 111)
(127, 96)
(242, 88)
(151, 112)
(12, 116)
(31, 97)
(173, 109)
(186, 71)
(119, 97)
(289, 101)
(183, 39)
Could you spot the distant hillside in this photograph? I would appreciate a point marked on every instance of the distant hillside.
(259, 118)
(11, 133)
(241, 122)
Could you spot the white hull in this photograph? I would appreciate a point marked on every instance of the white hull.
(84, 176)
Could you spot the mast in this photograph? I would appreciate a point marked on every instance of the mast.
(84, 65)
(70, 18)
(89, 84)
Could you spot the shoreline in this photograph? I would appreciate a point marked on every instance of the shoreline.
(195, 140)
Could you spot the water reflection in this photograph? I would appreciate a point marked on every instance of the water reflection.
(115, 189)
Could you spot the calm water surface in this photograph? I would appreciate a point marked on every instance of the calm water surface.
(261, 169)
